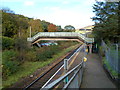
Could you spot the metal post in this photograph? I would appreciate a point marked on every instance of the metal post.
(30, 37)
(65, 64)
(90, 48)
(65, 70)
(117, 58)
(30, 31)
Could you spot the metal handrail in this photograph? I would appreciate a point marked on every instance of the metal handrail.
(66, 86)
(64, 64)
(56, 82)
(60, 34)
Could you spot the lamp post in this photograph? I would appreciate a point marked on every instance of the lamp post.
(30, 44)
(30, 31)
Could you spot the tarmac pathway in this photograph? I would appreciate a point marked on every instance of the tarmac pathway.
(94, 75)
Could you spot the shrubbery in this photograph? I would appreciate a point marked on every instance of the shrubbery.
(9, 55)
(47, 53)
(30, 56)
(21, 44)
(10, 64)
(9, 67)
(7, 43)
(65, 44)
(14, 58)
(101, 51)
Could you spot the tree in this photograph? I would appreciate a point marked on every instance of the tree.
(13, 24)
(7, 43)
(52, 28)
(36, 26)
(7, 10)
(59, 28)
(106, 21)
(9, 27)
(22, 47)
(69, 28)
(45, 25)
(22, 24)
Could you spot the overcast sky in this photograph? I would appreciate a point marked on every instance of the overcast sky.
(59, 12)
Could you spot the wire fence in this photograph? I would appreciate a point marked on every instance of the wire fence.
(112, 54)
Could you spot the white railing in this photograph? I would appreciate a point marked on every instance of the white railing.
(65, 65)
(60, 34)
(74, 80)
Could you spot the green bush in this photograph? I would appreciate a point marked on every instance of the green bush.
(21, 44)
(65, 44)
(44, 55)
(7, 43)
(9, 67)
(10, 64)
(41, 57)
(9, 55)
(30, 56)
(101, 51)
(47, 53)
(54, 49)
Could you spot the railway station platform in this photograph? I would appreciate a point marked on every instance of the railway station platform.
(94, 76)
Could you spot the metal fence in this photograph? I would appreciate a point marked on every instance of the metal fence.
(60, 34)
(112, 54)
(71, 79)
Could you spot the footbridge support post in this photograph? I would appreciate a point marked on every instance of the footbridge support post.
(38, 44)
(90, 48)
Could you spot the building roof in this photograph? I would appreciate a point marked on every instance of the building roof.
(88, 27)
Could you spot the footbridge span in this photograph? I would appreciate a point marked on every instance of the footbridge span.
(59, 36)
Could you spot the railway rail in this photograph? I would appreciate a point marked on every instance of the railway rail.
(41, 80)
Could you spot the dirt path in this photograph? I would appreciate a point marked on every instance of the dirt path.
(94, 75)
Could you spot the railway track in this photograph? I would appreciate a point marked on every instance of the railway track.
(41, 80)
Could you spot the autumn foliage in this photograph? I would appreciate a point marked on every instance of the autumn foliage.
(52, 28)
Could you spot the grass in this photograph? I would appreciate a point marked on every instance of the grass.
(29, 68)
(105, 62)
(113, 72)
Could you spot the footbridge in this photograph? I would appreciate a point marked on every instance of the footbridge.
(59, 36)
